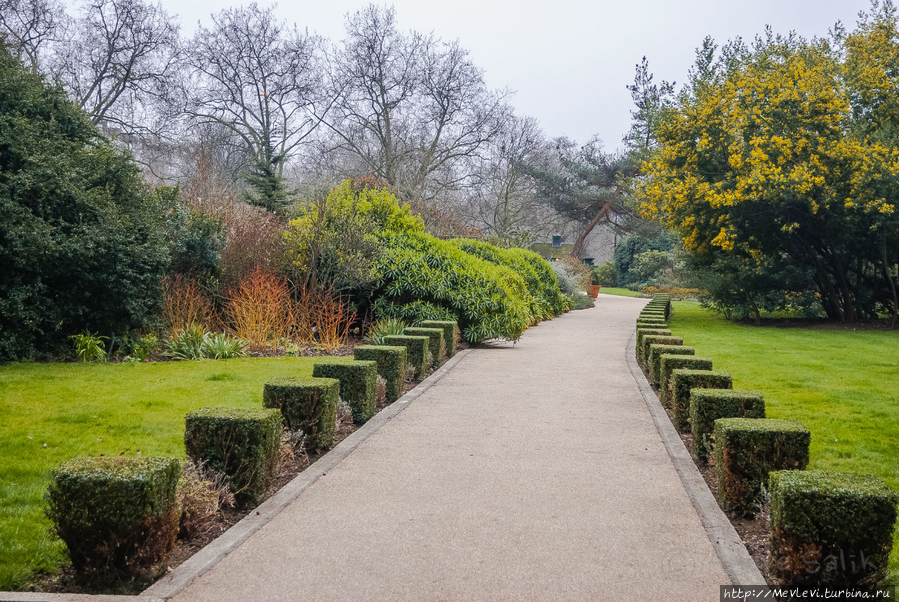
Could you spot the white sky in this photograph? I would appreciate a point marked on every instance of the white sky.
(569, 61)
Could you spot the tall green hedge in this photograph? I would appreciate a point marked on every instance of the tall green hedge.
(435, 337)
(424, 278)
(117, 516)
(417, 351)
(450, 333)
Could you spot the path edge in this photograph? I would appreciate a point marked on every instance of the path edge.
(729, 547)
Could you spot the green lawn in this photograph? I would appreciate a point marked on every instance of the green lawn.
(53, 412)
(621, 292)
(842, 384)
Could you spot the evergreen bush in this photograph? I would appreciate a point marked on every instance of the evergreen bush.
(417, 351)
(435, 344)
(308, 405)
(682, 382)
(391, 362)
(669, 363)
(450, 333)
(708, 405)
(358, 384)
(656, 351)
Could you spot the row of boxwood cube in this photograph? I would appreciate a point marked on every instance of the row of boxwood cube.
(827, 528)
(119, 516)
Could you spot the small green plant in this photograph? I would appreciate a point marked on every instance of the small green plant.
(187, 344)
(382, 328)
(582, 301)
(219, 346)
(145, 347)
(89, 347)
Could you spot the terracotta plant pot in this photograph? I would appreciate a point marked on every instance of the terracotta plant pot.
(594, 290)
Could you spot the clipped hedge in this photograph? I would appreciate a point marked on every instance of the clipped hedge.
(435, 343)
(117, 516)
(308, 405)
(391, 366)
(241, 443)
(358, 384)
(424, 278)
(651, 323)
(830, 529)
(643, 331)
(683, 381)
(656, 339)
(450, 333)
(417, 351)
(747, 449)
(708, 405)
(548, 300)
(656, 350)
(669, 363)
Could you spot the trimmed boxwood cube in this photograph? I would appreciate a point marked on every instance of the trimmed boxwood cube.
(656, 350)
(358, 384)
(708, 405)
(682, 381)
(391, 362)
(657, 339)
(747, 449)
(117, 516)
(643, 331)
(450, 333)
(241, 443)
(830, 529)
(308, 405)
(435, 345)
(669, 363)
(417, 351)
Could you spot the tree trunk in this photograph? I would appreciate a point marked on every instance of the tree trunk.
(579, 243)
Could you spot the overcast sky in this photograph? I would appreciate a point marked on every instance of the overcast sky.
(569, 61)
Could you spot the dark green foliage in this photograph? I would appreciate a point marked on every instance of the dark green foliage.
(435, 344)
(117, 516)
(391, 362)
(626, 251)
(195, 237)
(644, 331)
(652, 323)
(242, 444)
(358, 384)
(308, 405)
(656, 351)
(747, 449)
(682, 382)
(424, 278)
(824, 523)
(668, 363)
(582, 301)
(657, 339)
(605, 274)
(708, 405)
(417, 351)
(81, 237)
(450, 333)
(539, 276)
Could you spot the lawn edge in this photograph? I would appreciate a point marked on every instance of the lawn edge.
(218, 549)
(731, 550)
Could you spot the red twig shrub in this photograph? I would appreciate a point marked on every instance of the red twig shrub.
(186, 303)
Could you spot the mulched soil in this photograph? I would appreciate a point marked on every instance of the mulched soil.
(292, 464)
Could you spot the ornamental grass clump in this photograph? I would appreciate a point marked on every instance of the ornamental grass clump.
(117, 516)
(830, 529)
(684, 380)
(417, 352)
(308, 405)
(358, 384)
(391, 366)
(747, 449)
(450, 333)
(241, 443)
(708, 405)
(435, 345)
(656, 351)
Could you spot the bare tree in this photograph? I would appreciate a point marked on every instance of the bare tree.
(29, 26)
(410, 107)
(259, 78)
(117, 60)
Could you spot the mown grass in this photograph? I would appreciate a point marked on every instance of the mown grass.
(842, 384)
(53, 412)
(621, 292)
